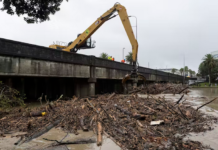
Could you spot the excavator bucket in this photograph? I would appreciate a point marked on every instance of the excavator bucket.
(135, 78)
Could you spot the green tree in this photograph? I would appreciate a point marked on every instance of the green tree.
(202, 69)
(190, 72)
(36, 10)
(129, 58)
(198, 75)
(181, 71)
(210, 63)
(193, 73)
(104, 55)
(186, 70)
(173, 70)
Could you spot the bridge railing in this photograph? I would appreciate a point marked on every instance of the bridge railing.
(19, 49)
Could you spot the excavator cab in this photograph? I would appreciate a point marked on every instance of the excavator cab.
(88, 44)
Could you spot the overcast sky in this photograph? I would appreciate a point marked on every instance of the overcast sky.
(167, 29)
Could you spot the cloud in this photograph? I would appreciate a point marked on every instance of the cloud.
(167, 30)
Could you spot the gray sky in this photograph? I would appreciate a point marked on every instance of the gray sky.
(167, 29)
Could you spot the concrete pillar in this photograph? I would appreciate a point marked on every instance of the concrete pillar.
(91, 82)
(125, 90)
(129, 86)
(77, 89)
(91, 89)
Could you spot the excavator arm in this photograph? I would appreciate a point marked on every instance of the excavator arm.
(82, 38)
(99, 22)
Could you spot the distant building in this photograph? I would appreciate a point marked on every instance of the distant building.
(215, 54)
(169, 70)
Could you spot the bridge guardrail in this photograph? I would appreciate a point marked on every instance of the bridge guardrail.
(19, 49)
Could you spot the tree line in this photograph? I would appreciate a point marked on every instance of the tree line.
(208, 67)
(184, 71)
(128, 57)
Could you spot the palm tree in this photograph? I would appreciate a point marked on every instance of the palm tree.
(210, 63)
(181, 70)
(173, 70)
(186, 70)
(193, 73)
(190, 72)
(129, 58)
(104, 55)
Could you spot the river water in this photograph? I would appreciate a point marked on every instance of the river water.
(206, 94)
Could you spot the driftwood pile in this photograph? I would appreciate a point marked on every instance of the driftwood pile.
(161, 88)
(9, 97)
(130, 121)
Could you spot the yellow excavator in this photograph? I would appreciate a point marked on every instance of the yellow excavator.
(84, 41)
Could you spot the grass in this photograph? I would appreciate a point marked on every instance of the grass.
(205, 84)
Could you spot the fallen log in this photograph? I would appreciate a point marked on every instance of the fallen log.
(99, 134)
(134, 91)
(112, 95)
(92, 105)
(149, 108)
(80, 141)
(84, 128)
(140, 124)
(3, 118)
(179, 99)
(137, 116)
(91, 122)
(37, 114)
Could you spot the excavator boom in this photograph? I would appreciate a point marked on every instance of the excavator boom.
(99, 22)
(83, 37)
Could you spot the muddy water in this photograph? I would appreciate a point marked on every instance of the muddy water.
(206, 94)
(202, 95)
(7, 143)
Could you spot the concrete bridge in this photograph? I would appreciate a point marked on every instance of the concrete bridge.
(35, 69)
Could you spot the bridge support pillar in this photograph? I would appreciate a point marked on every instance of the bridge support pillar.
(92, 81)
(77, 90)
(91, 89)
